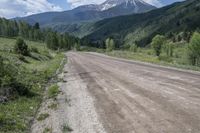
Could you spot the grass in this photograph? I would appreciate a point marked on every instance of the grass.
(16, 114)
(43, 116)
(53, 91)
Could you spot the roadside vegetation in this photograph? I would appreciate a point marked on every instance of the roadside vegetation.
(25, 69)
(29, 59)
(180, 50)
(165, 51)
(53, 91)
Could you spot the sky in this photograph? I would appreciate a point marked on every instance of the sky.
(20, 8)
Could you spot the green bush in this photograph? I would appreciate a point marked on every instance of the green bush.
(157, 43)
(21, 47)
(194, 49)
(110, 45)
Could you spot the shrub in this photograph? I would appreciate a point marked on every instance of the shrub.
(110, 45)
(21, 47)
(157, 43)
(194, 49)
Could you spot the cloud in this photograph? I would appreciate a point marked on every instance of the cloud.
(15, 8)
(76, 3)
(156, 3)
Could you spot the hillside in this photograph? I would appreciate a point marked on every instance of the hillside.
(140, 28)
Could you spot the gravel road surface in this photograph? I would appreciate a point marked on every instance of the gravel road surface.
(113, 95)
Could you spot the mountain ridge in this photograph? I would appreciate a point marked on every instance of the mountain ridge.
(87, 13)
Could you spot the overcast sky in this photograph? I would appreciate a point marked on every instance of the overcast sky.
(19, 8)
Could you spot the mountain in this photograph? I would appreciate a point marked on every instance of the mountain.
(88, 13)
(141, 28)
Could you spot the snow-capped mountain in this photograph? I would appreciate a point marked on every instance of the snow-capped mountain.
(113, 3)
(88, 13)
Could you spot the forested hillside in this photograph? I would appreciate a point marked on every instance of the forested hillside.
(173, 21)
(54, 40)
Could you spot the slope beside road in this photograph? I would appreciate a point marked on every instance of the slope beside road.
(119, 96)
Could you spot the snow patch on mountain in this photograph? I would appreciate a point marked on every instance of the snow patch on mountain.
(112, 3)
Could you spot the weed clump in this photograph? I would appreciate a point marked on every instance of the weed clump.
(43, 116)
(53, 91)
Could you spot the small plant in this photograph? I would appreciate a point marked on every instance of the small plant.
(47, 130)
(53, 91)
(53, 106)
(43, 116)
(21, 47)
(66, 128)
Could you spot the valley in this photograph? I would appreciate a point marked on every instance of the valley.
(115, 66)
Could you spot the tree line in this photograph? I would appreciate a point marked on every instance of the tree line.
(164, 45)
(53, 40)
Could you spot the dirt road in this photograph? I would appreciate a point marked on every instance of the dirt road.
(120, 96)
